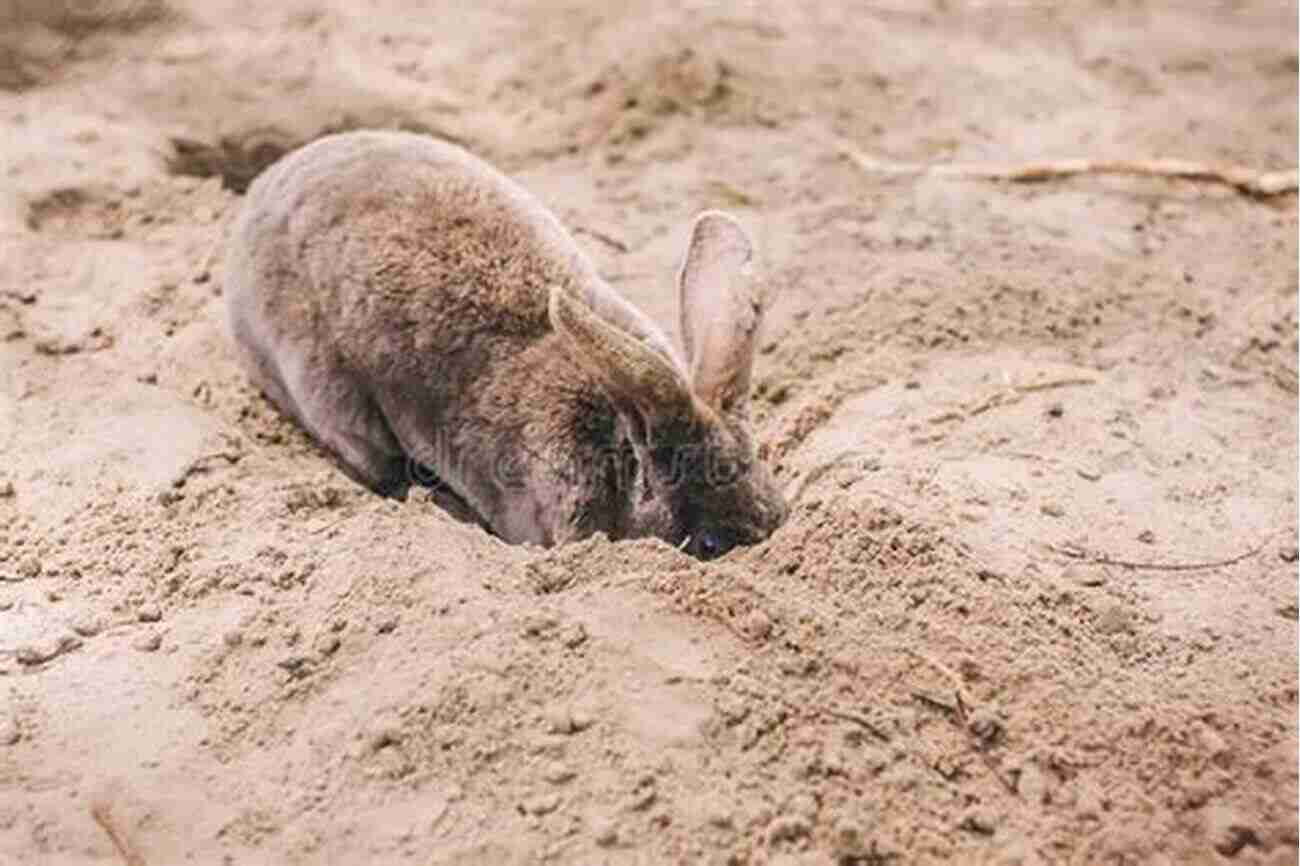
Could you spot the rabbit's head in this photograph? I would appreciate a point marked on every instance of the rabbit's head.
(694, 478)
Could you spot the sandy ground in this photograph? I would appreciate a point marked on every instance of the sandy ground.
(1036, 602)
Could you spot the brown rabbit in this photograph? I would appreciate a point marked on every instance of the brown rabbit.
(417, 311)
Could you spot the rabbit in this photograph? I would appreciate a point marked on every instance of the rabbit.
(416, 311)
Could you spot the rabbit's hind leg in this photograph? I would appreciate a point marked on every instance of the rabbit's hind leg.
(435, 462)
(385, 473)
(339, 413)
(313, 387)
(355, 431)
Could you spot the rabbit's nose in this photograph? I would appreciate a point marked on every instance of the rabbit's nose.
(708, 544)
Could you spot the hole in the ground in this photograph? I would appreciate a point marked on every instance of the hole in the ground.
(77, 212)
(58, 203)
(237, 159)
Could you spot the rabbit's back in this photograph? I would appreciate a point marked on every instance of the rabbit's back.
(387, 244)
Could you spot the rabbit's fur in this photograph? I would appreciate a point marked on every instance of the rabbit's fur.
(413, 308)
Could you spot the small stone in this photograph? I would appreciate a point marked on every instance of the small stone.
(1197, 793)
(1033, 785)
(795, 666)
(536, 625)
(1213, 744)
(559, 720)
(9, 733)
(1228, 831)
(7, 490)
(87, 627)
(387, 625)
(986, 727)
(642, 799)
(1289, 553)
(297, 665)
(778, 392)
(1114, 618)
(558, 773)
(580, 719)
(574, 635)
(757, 624)
(328, 644)
(149, 378)
(1088, 474)
(1018, 852)
(978, 820)
(721, 818)
(148, 613)
(804, 806)
(848, 843)
(385, 734)
(1053, 509)
(1081, 575)
(233, 638)
(148, 643)
(1056, 410)
(605, 832)
(1087, 803)
(1146, 536)
(786, 828)
(543, 804)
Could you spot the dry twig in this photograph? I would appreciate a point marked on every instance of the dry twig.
(1012, 394)
(1052, 384)
(861, 721)
(608, 240)
(1257, 183)
(959, 713)
(1103, 559)
(817, 472)
(103, 815)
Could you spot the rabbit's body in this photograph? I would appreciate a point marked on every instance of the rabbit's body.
(399, 298)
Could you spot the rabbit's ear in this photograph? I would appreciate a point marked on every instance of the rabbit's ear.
(720, 310)
(628, 369)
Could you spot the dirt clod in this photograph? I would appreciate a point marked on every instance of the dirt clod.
(148, 643)
(9, 731)
(46, 649)
(543, 804)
